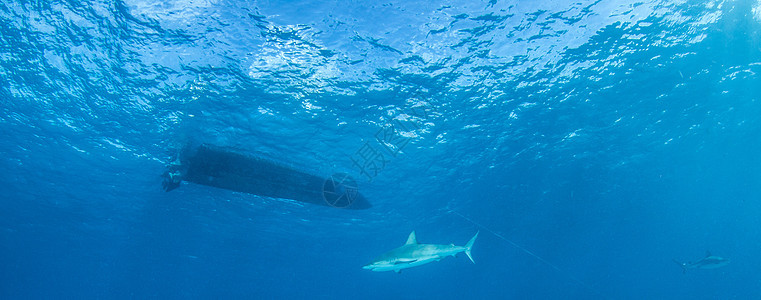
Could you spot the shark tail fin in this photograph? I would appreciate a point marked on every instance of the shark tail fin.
(681, 264)
(469, 245)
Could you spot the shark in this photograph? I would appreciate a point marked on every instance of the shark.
(413, 254)
(707, 262)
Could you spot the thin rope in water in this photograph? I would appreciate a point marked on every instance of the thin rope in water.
(558, 269)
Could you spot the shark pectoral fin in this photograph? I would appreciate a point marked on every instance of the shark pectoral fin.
(398, 271)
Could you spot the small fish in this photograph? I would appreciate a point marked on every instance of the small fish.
(708, 262)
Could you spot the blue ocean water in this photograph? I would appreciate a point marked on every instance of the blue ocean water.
(590, 142)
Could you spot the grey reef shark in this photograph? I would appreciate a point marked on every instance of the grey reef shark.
(413, 254)
(707, 262)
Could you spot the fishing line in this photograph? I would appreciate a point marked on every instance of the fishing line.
(558, 269)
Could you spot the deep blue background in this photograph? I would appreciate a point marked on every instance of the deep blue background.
(590, 142)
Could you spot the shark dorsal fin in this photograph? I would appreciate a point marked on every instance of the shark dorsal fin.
(411, 240)
(708, 253)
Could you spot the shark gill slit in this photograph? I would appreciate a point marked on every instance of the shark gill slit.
(558, 269)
